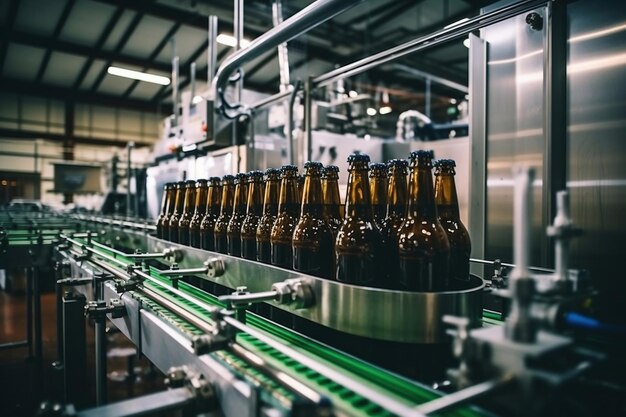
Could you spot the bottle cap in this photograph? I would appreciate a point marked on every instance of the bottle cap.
(398, 163)
(289, 168)
(272, 171)
(255, 175)
(201, 181)
(331, 168)
(378, 170)
(190, 183)
(215, 179)
(228, 178)
(445, 163)
(313, 164)
(358, 157)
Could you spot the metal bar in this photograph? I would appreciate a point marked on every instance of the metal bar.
(29, 310)
(308, 18)
(435, 78)
(74, 370)
(283, 57)
(150, 404)
(308, 111)
(292, 102)
(508, 265)
(268, 101)
(457, 398)
(365, 391)
(175, 69)
(38, 331)
(212, 48)
(101, 362)
(237, 299)
(428, 41)
(190, 317)
(13, 345)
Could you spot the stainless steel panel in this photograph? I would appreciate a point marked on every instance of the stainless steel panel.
(515, 129)
(596, 144)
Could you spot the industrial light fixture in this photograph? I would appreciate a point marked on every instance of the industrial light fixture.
(371, 111)
(385, 110)
(231, 41)
(353, 93)
(196, 99)
(137, 75)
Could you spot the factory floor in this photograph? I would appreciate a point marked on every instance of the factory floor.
(22, 388)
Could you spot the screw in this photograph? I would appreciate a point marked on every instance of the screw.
(535, 21)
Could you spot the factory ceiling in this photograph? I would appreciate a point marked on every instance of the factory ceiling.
(63, 48)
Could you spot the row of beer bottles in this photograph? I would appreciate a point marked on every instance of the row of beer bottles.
(385, 239)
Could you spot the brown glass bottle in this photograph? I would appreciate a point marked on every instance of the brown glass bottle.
(288, 213)
(167, 207)
(312, 237)
(233, 232)
(172, 224)
(270, 211)
(187, 214)
(198, 213)
(253, 215)
(396, 214)
(450, 219)
(358, 243)
(423, 246)
(226, 212)
(300, 187)
(332, 199)
(378, 192)
(213, 203)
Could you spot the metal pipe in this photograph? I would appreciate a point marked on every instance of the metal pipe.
(185, 314)
(363, 390)
(192, 74)
(306, 19)
(175, 64)
(292, 101)
(212, 48)
(101, 362)
(427, 98)
(188, 271)
(522, 220)
(268, 101)
(428, 41)
(129, 149)
(439, 80)
(308, 110)
(457, 398)
(561, 244)
(238, 299)
(532, 268)
(283, 57)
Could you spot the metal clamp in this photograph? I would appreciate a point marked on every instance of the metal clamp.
(291, 291)
(201, 389)
(97, 310)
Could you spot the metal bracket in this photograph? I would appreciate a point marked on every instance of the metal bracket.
(221, 336)
(97, 310)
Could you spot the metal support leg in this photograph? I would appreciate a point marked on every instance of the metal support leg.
(74, 347)
(29, 311)
(101, 362)
(38, 333)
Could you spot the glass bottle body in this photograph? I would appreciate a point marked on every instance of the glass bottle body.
(286, 220)
(396, 215)
(167, 207)
(233, 230)
(226, 212)
(213, 203)
(172, 224)
(270, 212)
(198, 214)
(253, 215)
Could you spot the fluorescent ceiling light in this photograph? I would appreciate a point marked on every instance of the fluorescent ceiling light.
(141, 76)
(458, 22)
(385, 110)
(353, 93)
(196, 99)
(229, 40)
(371, 111)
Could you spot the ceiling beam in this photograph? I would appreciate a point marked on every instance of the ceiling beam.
(60, 137)
(39, 41)
(16, 86)
(55, 34)
(153, 56)
(7, 28)
(118, 48)
(104, 35)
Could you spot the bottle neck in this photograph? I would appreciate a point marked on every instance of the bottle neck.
(445, 196)
(288, 199)
(190, 199)
(227, 199)
(378, 189)
(255, 198)
(358, 200)
(178, 205)
(171, 201)
(396, 204)
(166, 194)
(312, 201)
(332, 200)
(201, 194)
(213, 199)
(421, 194)
(270, 202)
(241, 194)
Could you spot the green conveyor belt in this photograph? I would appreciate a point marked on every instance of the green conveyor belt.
(392, 385)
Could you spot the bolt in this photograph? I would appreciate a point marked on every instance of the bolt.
(535, 21)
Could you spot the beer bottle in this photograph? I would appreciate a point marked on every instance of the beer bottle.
(270, 211)
(198, 213)
(396, 213)
(378, 192)
(312, 236)
(448, 210)
(172, 224)
(423, 246)
(226, 212)
(288, 211)
(188, 207)
(233, 232)
(207, 227)
(332, 199)
(358, 243)
(253, 215)
(167, 207)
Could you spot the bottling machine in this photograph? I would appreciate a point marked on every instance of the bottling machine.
(240, 338)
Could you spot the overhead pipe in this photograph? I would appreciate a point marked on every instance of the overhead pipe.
(303, 21)
(193, 80)
(283, 53)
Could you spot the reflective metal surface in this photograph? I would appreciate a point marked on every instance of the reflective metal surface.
(596, 156)
(376, 313)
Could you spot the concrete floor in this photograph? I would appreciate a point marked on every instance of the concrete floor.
(22, 388)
